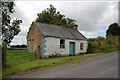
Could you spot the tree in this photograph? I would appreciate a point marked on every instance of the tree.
(51, 16)
(9, 29)
(113, 30)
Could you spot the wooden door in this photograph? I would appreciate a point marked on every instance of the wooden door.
(72, 48)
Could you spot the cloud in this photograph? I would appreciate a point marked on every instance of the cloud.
(87, 14)
(19, 40)
(93, 17)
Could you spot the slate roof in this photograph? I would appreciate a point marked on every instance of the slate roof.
(57, 31)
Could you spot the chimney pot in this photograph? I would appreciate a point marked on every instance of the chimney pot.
(75, 27)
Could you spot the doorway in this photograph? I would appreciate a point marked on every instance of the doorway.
(72, 48)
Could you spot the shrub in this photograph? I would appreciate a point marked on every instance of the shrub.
(101, 44)
(93, 47)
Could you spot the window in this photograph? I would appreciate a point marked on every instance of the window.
(62, 43)
(81, 46)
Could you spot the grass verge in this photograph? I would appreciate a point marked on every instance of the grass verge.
(43, 63)
(19, 61)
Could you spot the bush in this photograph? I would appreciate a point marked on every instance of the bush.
(93, 47)
(101, 44)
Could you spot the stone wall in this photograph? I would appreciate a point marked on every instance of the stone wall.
(34, 39)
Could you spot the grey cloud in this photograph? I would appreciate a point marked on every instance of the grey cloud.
(18, 13)
(23, 32)
(18, 40)
(86, 13)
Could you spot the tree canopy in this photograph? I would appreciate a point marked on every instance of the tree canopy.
(9, 28)
(113, 30)
(52, 16)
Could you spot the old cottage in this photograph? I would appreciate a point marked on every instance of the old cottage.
(48, 40)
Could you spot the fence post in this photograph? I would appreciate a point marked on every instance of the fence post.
(4, 52)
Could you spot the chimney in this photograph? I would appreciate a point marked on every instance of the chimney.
(75, 27)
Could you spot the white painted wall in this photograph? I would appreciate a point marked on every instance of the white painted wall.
(53, 46)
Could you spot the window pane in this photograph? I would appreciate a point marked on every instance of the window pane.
(81, 46)
(62, 43)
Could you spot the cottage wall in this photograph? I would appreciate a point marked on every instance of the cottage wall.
(30, 39)
(34, 39)
(53, 46)
(37, 39)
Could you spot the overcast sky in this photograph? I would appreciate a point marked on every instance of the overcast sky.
(93, 17)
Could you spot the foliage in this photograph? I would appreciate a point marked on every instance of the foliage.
(102, 44)
(113, 30)
(108, 44)
(93, 46)
(51, 16)
(9, 29)
(23, 62)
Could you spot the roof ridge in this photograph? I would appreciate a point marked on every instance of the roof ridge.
(48, 24)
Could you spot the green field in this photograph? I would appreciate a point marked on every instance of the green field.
(15, 57)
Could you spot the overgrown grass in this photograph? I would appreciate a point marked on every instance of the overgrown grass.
(107, 49)
(104, 45)
(26, 63)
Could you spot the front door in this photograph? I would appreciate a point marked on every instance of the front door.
(72, 48)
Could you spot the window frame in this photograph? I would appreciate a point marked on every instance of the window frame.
(81, 45)
(62, 44)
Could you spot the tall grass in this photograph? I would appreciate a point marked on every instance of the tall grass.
(102, 44)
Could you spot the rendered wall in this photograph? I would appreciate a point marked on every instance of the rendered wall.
(53, 46)
(85, 45)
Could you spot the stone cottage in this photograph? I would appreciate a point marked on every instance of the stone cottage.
(47, 39)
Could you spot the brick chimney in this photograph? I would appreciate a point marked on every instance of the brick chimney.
(75, 27)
